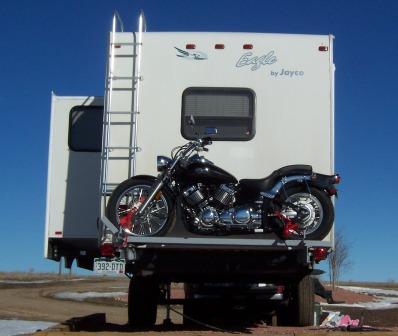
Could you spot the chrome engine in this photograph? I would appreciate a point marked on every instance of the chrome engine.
(216, 211)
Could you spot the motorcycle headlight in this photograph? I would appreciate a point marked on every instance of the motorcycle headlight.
(162, 163)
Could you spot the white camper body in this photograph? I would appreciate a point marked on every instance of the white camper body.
(290, 77)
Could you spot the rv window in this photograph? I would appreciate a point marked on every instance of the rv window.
(221, 113)
(85, 128)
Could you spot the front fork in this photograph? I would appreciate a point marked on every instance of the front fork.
(162, 179)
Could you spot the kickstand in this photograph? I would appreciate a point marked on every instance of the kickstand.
(167, 321)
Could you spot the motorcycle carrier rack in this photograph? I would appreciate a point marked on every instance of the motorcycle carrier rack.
(191, 243)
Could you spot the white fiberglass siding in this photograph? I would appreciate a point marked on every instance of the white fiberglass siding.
(293, 88)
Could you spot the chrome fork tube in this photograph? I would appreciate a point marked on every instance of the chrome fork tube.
(151, 197)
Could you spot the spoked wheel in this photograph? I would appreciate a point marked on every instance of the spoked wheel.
(125, 201)
(311, 209)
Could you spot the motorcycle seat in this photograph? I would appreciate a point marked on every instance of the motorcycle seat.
(264, 184)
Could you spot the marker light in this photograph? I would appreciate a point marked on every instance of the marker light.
(248, 46)
(320, 253)
(190, 46)
(323, 48)
(219, 46)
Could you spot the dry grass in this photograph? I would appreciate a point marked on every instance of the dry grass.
(31, 276)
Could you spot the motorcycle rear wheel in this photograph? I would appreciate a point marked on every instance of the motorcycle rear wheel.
(123, 205)
(319, 221)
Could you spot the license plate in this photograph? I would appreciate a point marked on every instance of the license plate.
(109, 266)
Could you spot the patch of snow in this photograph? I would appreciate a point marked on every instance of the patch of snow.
(76, 296)
(18, 327)
(386, 298)
(372, 291)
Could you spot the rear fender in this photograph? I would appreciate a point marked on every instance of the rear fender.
(325, 182)
(284, 181)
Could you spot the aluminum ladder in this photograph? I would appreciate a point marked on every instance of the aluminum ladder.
(121, 101)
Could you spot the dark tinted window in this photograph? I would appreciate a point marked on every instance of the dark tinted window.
(85, 128)
(221, 113)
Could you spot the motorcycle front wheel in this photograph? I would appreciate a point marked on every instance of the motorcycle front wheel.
(316, 219)
(125, 201)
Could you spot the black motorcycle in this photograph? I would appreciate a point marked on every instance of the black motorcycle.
(293, 202)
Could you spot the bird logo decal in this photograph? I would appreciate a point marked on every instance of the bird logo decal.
(197, 55)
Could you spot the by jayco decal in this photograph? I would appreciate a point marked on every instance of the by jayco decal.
(196, 55)
(255, 62)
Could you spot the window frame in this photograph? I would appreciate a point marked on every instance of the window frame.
(252, 110)
(84, 107)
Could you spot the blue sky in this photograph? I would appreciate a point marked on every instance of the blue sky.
(61, 46)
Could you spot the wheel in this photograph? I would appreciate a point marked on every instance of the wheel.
(123, 205)
(311, 209)
(142, 302)
(193, 310)
(303, 302)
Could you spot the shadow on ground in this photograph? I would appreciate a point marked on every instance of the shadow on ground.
(227, 320)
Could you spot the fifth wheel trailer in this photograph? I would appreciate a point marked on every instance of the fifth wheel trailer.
(154, 82)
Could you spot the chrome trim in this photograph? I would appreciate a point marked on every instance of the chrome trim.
(286, 179)
(162, 162)
(276, 297)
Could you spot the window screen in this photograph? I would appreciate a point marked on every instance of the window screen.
(220, 113)
(85, 128)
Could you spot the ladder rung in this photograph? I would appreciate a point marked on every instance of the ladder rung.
(124, 43)
(122, 112)
(120, 89)
(121, 147)
(118, 123)
(120, 77)
(124, 55)
(119, 157)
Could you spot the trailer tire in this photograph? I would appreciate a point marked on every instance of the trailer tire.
(114, 204)
(143, 299)
(303, 302)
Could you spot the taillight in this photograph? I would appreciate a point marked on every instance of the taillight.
(320, 253)
(107, 250)
(336, 179)
(332, 191)
(280, 289)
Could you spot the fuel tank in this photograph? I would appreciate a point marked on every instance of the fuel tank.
(206, 173)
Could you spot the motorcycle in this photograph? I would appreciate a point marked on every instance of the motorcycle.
(293, 202)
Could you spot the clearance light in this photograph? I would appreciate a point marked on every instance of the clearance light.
(320, 253)
(248, 46)
(219, 46)
(323, 48)
(337, 179)
(190, 46)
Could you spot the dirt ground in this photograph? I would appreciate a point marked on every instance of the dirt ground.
(35, 301)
